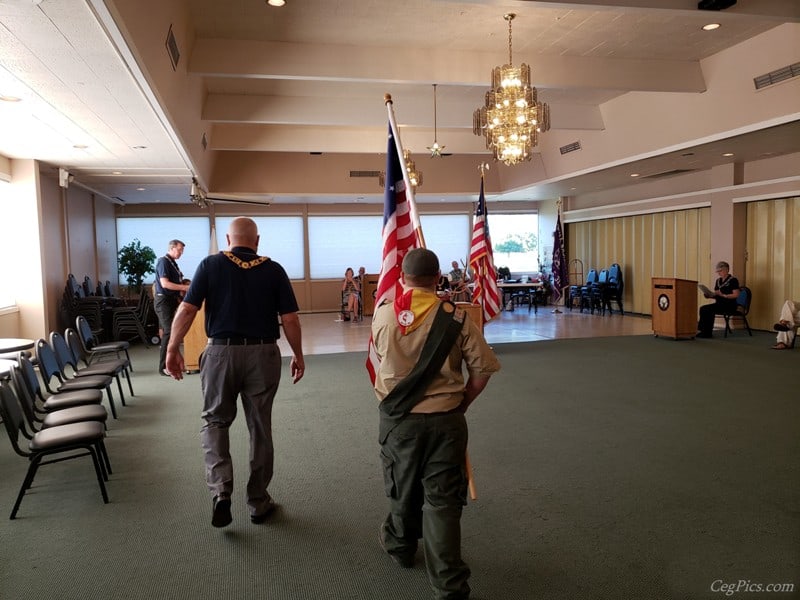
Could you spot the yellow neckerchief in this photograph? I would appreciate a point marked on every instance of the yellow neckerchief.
(413, 307)
(242, 264)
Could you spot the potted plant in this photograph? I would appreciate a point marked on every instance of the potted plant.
(134, 262)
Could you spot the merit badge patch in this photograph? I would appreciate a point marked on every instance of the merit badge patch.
(405, 318)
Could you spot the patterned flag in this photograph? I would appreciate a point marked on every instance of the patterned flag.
(400, 234)
(559, 269)
(481, 261)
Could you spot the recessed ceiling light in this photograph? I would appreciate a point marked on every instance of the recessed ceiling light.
(711, 27)
(116, 172)
(634, 174)
(140, 189)
(572, 189)
(276, 2)
(10, 98)
(728, 154)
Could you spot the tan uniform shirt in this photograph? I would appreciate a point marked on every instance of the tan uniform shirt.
(399, 353)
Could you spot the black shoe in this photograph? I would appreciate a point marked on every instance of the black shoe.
(163, 373)
(261, 518)
(780, 327)
(404, 560)
(221, 516)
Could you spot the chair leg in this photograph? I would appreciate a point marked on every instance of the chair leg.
(26, 483)
(128, 377)
(119, 387)
(98, 469)
(111, 402)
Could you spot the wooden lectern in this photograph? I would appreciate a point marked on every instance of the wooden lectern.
(674, 307)
(194, 342)
(368, 294)
(474, 311)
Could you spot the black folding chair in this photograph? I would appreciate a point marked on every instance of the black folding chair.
(63, 442)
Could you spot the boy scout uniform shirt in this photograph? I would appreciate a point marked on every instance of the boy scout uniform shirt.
(399, 353)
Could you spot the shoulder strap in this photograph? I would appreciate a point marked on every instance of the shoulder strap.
(409, 392)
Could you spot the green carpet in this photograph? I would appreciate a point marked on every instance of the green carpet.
(607, 468)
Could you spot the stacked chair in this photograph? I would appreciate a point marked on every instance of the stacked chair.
(599, 291)
(132, 322)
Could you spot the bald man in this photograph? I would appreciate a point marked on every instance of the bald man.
(244, 295)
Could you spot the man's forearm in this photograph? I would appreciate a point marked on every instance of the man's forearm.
(293, 333)
(475, 385)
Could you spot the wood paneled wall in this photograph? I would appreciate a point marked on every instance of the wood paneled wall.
(665, 244)
(773, 257)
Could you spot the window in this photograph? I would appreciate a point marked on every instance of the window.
(156, 232)
(449, 236)
(515, 241)
(281, 240)
(336, 243)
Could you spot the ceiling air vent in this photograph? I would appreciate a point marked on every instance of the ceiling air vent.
(667, 173)
(364, 173)
(172, 49)
(777, 76)
(570, 147)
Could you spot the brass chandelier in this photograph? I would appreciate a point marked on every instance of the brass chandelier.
(512, 118)
(414, 176)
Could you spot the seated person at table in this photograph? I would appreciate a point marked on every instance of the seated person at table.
(351, 291)
(443, 287)
(726, 291)
(790, 318)
(458, 284)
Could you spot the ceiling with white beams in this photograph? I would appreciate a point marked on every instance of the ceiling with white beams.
(310, 77)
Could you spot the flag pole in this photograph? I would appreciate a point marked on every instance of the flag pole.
(412, 203)
(387, 98)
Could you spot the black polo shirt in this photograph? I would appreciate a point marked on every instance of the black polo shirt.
(167, 267)
(239, 301)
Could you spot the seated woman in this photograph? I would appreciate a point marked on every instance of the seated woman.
(351, 294)
(726, 291)
(790, 318)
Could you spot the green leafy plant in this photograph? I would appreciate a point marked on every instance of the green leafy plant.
(134, 262)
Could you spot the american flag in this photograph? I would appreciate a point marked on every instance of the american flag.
(481, 261)
(560, 274)
(400, 234)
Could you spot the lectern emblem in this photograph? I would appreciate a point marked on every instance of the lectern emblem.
(663, 302)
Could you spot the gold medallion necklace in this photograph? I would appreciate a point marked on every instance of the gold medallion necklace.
(245, 264)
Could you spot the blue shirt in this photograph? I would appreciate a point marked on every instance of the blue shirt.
(241, 302)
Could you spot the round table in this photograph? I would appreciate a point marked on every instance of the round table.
(15, 344)
(5, 367)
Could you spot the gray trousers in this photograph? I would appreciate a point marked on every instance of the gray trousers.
(227, 372)
(425, 478)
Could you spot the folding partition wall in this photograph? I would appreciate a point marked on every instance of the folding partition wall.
(667, 244)
(773, 257)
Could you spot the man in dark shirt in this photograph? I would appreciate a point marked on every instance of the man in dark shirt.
(169, 286)
(244, 294)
